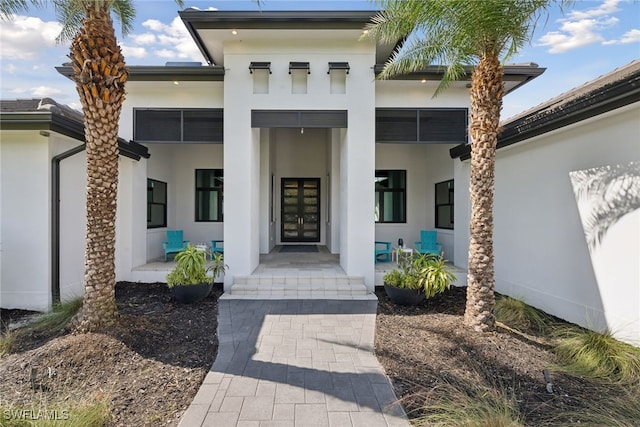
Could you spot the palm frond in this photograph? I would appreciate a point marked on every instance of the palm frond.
(454, 33)
(614, 191)
(10, 7)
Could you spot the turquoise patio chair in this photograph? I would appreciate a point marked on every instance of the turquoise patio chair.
(174, 243)
(217, 246)
(428, 243)
(382, 251)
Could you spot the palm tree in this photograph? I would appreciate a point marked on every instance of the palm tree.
(481, 34)
(100, 75)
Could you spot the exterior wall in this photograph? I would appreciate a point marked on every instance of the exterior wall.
(425, 165)
(541, 255)
(413, 94)
(433, 165)
(73, 221)
(176, 164)
(167, 95)
(25, 221)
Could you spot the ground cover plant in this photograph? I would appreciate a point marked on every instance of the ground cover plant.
(147, 369)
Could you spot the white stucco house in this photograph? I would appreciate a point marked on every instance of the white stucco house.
(286, 137)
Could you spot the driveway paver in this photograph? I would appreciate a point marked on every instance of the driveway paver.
(298, 363)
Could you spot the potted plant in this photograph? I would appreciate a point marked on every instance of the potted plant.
(416, 278)
(218, 267)
(191, 280)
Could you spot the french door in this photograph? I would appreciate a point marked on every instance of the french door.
(300, 210)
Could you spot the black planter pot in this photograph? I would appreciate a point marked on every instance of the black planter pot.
(404, 296)
(187, 294)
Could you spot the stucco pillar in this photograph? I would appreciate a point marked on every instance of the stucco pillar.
(242, 193)
(357, 172)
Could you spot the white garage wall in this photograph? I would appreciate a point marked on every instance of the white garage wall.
(541, 255)
(24, 221)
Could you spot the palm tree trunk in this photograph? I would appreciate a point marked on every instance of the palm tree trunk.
(486, 101)
(100, 74)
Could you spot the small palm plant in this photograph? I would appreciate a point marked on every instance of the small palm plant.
(190, 269)
(191, 280)
(426, 273)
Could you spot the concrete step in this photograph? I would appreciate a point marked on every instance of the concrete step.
(298, 287)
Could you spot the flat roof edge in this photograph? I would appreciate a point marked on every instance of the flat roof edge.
(539, 122)
(435, 72)
(164, 73)
(276, 19)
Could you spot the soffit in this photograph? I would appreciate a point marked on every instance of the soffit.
(211, 29)
(515, 75)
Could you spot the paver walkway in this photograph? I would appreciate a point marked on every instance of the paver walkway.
(295, 363)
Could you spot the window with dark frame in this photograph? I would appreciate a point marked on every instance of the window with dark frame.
(209, 195)
(391, 201)
(444, 204)
(156, 203)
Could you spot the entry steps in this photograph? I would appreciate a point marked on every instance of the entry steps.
(339, 287)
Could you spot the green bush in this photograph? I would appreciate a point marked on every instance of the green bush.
(518, 315)
(598, 355)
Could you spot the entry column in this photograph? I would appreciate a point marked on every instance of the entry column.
(241, 192)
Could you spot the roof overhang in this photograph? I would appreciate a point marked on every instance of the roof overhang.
(146, 73)
(210, 29)
(51, 122)
(515, 75)
(551, 116)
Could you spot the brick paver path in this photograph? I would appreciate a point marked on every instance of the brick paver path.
(295, 363)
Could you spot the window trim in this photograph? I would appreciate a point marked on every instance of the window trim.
(451, 203)
(220, 199)
(394, 190)
(166, 189)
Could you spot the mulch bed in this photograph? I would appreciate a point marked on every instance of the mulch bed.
(425, 347)
(150, 366)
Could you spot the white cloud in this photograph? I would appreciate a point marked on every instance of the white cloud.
(607, 7)
(25, 37)
(165, 53)
(144, 39)
(19, 91)
(167, 41)
(631, 36)
(581, 28)
(10, 68)
(37, 92)
(153, 24)
(133, 52)
(45, 91)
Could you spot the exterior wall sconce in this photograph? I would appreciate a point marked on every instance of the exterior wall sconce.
(299, 66)
(260, 66)
(338, 66)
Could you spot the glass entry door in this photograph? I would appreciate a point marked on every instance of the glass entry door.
(300, 210)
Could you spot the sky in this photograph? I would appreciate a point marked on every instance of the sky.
(575, 45)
